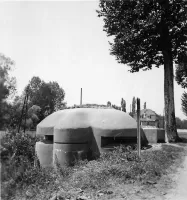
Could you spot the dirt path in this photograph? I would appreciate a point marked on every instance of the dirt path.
(180, 183)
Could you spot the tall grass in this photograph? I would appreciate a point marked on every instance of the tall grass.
(20, 171)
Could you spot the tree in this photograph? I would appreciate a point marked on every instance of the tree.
(109, 104)
(160, 121)
(181, 78)
(48, 96)
(181, 71)
(7, 83)
(123, 105)
(14, 111)
(144, 105)
(7, 87)
(184, 124)
(181, 124)
(133, 106)
(116, 107)
(184, 103)
(58, 95)
(148, 33)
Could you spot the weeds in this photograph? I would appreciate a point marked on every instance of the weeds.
(124, 165)
(17, 164)
(20, 173)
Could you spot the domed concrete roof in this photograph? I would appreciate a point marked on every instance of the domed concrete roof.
(108, 119)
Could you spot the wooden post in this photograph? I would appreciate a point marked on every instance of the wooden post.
(81, 98)
(138, 128)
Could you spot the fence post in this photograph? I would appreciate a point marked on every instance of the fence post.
(138, 128)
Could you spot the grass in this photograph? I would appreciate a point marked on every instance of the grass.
(23, 178)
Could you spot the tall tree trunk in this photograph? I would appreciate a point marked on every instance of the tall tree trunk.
(171, 134)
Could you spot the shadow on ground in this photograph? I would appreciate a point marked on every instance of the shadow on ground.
(183, 140)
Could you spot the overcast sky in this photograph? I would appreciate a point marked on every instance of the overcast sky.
(65, 42)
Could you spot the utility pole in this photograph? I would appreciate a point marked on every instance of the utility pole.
(24, 106)
(26, 110)
(138, 128)
(22, 114)
(81, 98)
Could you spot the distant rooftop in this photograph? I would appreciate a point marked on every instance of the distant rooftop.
(147, 112)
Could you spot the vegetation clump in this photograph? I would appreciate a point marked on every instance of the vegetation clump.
(22, 173)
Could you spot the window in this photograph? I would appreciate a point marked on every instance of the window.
(116, 141)
(49, 139)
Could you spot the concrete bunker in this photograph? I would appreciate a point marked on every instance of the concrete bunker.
(83, 132)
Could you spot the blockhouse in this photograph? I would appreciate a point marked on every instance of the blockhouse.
(83, 132)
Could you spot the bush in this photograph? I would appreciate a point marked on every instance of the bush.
(17, 159)
(20, 166)
(18, 146)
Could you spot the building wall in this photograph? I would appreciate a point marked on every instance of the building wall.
(154, 135)
(150, 123)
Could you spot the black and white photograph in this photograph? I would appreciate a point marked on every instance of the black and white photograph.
(93, 100)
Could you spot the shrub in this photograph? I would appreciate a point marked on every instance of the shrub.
(19, 166)
(17, 158)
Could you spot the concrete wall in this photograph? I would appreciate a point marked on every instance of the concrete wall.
(44, 152)
(161, 135)
(77, 133)
(154, 135)
(71, 144)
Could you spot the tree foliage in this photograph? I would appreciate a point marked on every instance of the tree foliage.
(181, 78)
(138, 30)
(7, 83)
(133, 106)
(12, 115)
(7, 87)
(144, 106)
(44, 98)
(181, 72)
(181, 124)
(109, 104)
(49, 97)
(116, 107)
(184, 103)
(123, 105)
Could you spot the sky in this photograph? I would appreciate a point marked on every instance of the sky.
(64, 42)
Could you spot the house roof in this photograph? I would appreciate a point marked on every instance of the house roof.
(148, 112)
